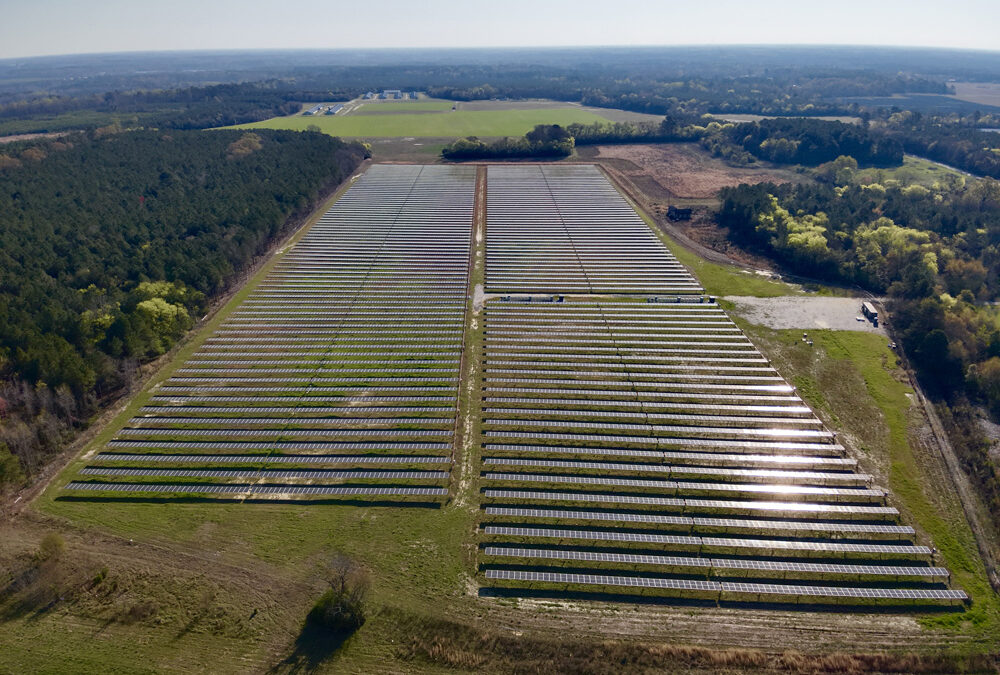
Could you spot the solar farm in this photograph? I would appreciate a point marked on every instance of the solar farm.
(630, 439)
(638, 443)
(337, 377)
(565, 229)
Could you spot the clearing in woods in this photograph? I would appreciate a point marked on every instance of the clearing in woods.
(681, 170)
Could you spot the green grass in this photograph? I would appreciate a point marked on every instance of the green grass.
(484, 123)
(383, 107)
(914, 171)
(862, 390)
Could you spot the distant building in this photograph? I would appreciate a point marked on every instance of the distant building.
(334, 109)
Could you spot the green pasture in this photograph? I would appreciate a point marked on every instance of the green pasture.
(389, 107)
(448, 123)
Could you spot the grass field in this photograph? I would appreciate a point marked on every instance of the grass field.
(484, 123)
(390, 107)
(914, 171)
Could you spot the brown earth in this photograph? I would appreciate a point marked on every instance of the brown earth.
(684, 170)
(658, 176)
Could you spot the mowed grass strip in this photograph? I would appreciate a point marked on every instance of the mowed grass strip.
(381, 107)
(446, 124)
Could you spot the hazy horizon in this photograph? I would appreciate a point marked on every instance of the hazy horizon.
(67, 28)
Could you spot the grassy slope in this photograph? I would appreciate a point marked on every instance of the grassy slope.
(856, 384)
(914, 171)
(446, 124)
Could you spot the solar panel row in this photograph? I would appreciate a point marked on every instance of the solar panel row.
(628, 446)
(351, 344)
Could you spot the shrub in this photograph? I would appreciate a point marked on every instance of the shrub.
(341, 608)
(51, 547)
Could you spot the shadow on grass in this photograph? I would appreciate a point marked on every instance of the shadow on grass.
(314, 645)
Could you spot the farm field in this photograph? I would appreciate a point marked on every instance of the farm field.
(983, 93)
(938, 104)
(640, 399)
(370, 121)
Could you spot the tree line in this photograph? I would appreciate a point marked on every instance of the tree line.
(809, 142)
(111, 245)
(934, 251)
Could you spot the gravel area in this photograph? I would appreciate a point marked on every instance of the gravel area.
(804, 312)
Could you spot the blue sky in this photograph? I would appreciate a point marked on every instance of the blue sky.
(35, 27)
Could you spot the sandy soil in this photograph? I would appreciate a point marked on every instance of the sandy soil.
(684, 170)
(804, 312)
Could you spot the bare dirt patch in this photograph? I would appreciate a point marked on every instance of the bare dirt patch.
(685, 170)
(804, 312)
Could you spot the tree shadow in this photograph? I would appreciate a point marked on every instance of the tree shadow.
(313, 646)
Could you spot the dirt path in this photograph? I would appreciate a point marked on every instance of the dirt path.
(465, 429)
(30, 137)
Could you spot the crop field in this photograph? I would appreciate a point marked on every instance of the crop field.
(336, 378)
(369, 121)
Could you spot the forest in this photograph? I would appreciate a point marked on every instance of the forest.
(549, 141)
(953, 140)
(809, 142)
(112, 246)
(934, 252)
(554, 141)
